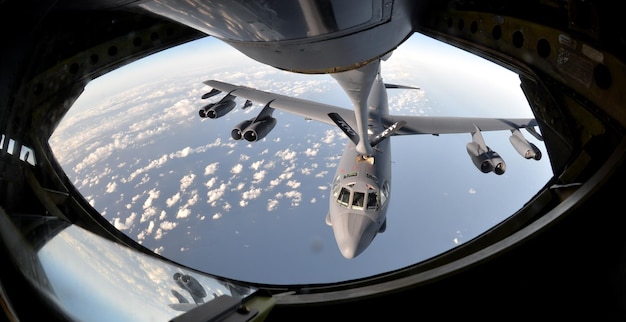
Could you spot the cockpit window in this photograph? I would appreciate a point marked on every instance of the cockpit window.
(344, 197)
(358, 200)
(384, 193)
(372, 200)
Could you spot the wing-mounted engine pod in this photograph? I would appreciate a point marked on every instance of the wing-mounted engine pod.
(237, 132)
(220, 109)
(483, 157)
(523, 147)
(259, 129)
(486, 161)
(204, 109)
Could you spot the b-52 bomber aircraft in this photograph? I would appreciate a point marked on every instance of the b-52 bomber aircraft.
(361, 187)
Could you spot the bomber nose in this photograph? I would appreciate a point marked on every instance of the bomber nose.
(352, 234)
(348, 250)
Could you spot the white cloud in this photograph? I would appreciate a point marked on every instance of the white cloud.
(147, 214)
(293, 184)
(99, 154)
(286, 154)
(309, 170)
(258, 176)
(126, 224)
(321, 174)
(215, 194)
(255, 165)
(183, 213)
(311, 152)
(283, 176)
(330, 136)
(272, 204)
(472, 191)
(158, 234)
(153, 164)
(111, 187)
(167, 225)
(181, 153)
(180, 109)
(270, 165)
(144, 180)
(173, 200)
(253, 193)
(217, 216)
(194, 198)
(295, 196)
(211, 182)
(210, 169)
(237, 168)
(141, 236)
(144, 233)
(152, 194)
(186, 181)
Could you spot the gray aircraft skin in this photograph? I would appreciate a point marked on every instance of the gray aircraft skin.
(361, 187)
(312, 37)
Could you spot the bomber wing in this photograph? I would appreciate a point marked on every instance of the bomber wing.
(305, 108)
(449, 124)
(411, 124)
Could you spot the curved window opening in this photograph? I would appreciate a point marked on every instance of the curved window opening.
(372, 201)
(358, 200)
(344, 197)
(135, 148)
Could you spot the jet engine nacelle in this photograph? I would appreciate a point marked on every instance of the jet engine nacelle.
(203, 110)
(486, 161)
(523, 147)
(237, 132)
(256, 128)
(219, 109)
(484, 158)
(195, 289)
(259, 129)
(253, 130)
